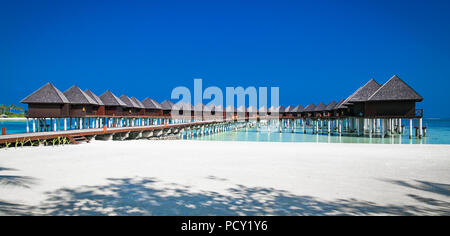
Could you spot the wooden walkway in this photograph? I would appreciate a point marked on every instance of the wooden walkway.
(12, 138)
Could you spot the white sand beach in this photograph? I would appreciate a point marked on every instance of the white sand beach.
(13, 119)
(225, 178)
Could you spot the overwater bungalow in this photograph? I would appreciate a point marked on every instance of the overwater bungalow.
(288, 112)
(308, 112)
(132, 108)
(262, 112)
(167, 106)
(297, 111)
(113, 105)
(198, 111)
(242, 113)
(141, 106)
(182, 111)
(219, 112)
(319, 109)
(230, 113)
(371, 109)
(152, 108)
(276, 111)
(356, 102)
(340, 109)
(81, 104)
(46, 102)
(252, 113)
(209, 112)
(395, 99)
(98, 110)
(328, 112)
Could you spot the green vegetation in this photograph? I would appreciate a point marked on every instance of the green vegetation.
(28, 142)
(11, 111)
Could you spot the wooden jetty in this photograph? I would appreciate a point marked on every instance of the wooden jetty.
(372, 110)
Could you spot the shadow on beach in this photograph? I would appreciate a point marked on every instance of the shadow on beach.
(15, 180)
(140, 197)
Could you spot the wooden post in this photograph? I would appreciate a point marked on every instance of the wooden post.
(410, 128)
(3, 131)
(420, 128)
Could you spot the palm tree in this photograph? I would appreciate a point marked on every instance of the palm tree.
(14, 107)
(2, 108)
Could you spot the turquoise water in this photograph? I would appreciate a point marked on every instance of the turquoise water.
(438, 132)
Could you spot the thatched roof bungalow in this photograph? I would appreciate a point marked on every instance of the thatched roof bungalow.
(309, 111)
(328, 112)
(81, 104)
(141, 106)
(318, 111)
(395, 99)
(47, 102)
(152, 108)
(132, 108)
(113, 105)
(252, 112)
(357, 100)
(297, 111)
(167, 106)
(98, 110)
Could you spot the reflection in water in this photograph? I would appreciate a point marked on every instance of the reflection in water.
(263, 135)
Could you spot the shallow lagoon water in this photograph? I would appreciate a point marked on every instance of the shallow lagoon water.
(438, 132)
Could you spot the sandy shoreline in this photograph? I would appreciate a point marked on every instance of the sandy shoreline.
(225, 178)
(13, 119)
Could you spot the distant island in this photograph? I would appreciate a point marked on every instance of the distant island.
(11, 111)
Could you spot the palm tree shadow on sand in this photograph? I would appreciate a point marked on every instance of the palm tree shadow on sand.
(140, 196)
(15, 180)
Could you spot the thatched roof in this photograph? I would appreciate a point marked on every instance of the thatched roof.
(298, 109)
(182, 106)
(167, 105)
(151, 104)
(396, 90)
(320, 107)
(199, 107)
(276, 109)
(109, 99)
(242, 109)
(46, 94)
(252, 109)
(230, 108)
(289, 109)
(218, 108)
(262, 109)
(94, 97)
(364, 93)
(209, 108)
(130, 103)
(309, 108)
(340, 105)
(139, 103)
(76, 96)
(331, 106)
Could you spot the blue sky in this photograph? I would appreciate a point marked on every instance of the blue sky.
(315, 51)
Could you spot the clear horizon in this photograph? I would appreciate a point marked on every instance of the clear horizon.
(314, 51)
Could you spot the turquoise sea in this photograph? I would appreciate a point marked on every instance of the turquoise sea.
(438, 132)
